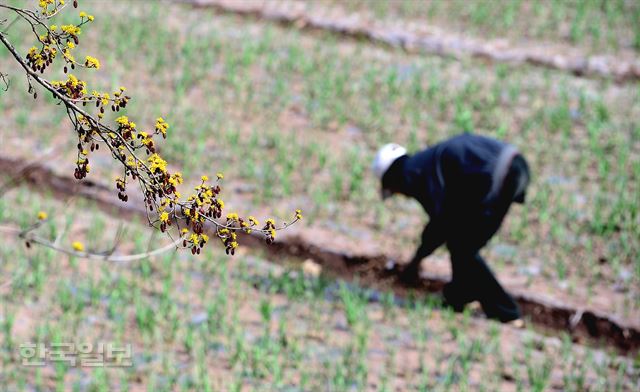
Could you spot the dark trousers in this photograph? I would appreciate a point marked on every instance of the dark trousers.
(468, 231)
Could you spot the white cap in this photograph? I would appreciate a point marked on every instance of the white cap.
(385, 158)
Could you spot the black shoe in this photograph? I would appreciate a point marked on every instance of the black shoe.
(454, 299)
(410, 275)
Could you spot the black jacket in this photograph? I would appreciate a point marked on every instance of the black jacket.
(459, 174)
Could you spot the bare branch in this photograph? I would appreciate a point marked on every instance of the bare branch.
(28, 236)
(5, 79)
(2, 22)
(124, 142)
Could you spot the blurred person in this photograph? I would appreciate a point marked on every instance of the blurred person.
(466, 185)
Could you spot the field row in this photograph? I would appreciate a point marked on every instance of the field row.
(218, 323)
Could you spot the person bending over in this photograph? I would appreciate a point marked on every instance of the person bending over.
(466, 185)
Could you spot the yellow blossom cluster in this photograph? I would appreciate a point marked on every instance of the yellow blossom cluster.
(161, 127)
(38, 60)
(270, 230)
(83, 15)
(45, 3)
(164, 217)
(125, 127)
(70, 29)
(229, 240)
(146, 141)
(66, 52)
(49, 7)
(157, 165)
(175, 179)
(92, 62)
(72, 87)
(124, 140)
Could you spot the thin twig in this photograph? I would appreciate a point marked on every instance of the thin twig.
(28, 236)
(10, 24)
(5, 79)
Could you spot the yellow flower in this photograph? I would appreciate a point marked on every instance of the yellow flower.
(164, 217)
(67, 54)
(232, 216)
(161, 125)
(42, 215)
(204, 178)
(77, 246)
(53, 27)
(157, 163)
(71, 29)
(253, 221)
(184, 231)
(83, 14)
(92, 62)
(123, 120)
(220, 176)
(298, 214)
(132, 163)
(44, 4)
(73, 80)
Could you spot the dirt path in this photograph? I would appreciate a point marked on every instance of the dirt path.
(428, 40)
(584, 325)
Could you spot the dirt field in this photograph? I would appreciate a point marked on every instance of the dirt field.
(293, 118)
